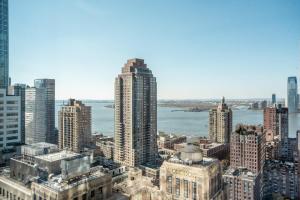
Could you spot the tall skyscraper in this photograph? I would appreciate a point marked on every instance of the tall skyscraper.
(220, 123)
(74, 126)
(10, 122)
(273, 99)
(247, 148)
(244, 177)
(135, 115)
(35, 115)
(19, 90)
(49, 86)
(4, 44)
(292, 95)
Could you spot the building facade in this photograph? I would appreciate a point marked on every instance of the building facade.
(247, 148)
(273, 99)
(54, 176)
(242, 184)
(74, 126)
(10, 120)
(190, 176)
(166, 141)
(135, 115)
(280, 177)
(49, 86)
(220, 123)
(106, 148)
(292, 95)
(19, 90)
(4, 45)
(276, 125)
(35, 115)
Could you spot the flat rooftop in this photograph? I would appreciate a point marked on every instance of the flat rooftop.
(40, 145)
(241, 172)
(204, 163)
(56, 183)
(58, 156)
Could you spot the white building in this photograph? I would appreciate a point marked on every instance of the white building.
(35, 115)
(10, 120)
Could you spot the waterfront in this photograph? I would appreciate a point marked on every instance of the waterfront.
(184, 123)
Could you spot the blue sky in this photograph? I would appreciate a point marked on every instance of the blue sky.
(196, 48)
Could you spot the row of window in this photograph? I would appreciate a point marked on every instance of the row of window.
(8, 195)
(185, 187)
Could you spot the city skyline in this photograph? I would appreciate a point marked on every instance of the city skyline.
(94, 38)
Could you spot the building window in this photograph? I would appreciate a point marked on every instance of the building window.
(169, 184)
(186, 188)
(84, 197)
(101, 190)
(194, 190)
(12, 138)
(177, 187)
(93, 193)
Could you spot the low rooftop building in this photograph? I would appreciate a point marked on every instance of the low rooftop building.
(92, 184)
(40, 148)
(189, 175)
(242, 184)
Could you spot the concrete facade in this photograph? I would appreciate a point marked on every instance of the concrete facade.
(135, 115)
(220, 123)
(74, 126)
(10, 120)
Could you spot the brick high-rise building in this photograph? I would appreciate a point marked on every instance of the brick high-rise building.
(220, 123)
(74, 126)
(247, 148)
(135, 115)
(276, 125)
(276, 120)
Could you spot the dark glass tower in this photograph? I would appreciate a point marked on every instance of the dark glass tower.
(49, 86)
(4, 72)
(292, 96)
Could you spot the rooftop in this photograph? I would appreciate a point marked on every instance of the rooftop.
(14, 184)
(211, 145)
(204, 163)
(40, 145)
(248, 129)
(241, 172)
(56, 183)
(58, 156)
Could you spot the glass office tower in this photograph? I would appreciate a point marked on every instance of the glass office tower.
(4, 72)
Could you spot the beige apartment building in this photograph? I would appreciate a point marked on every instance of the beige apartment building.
(190, 176)
(220, 123)
(74, 126)
(135, 115)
